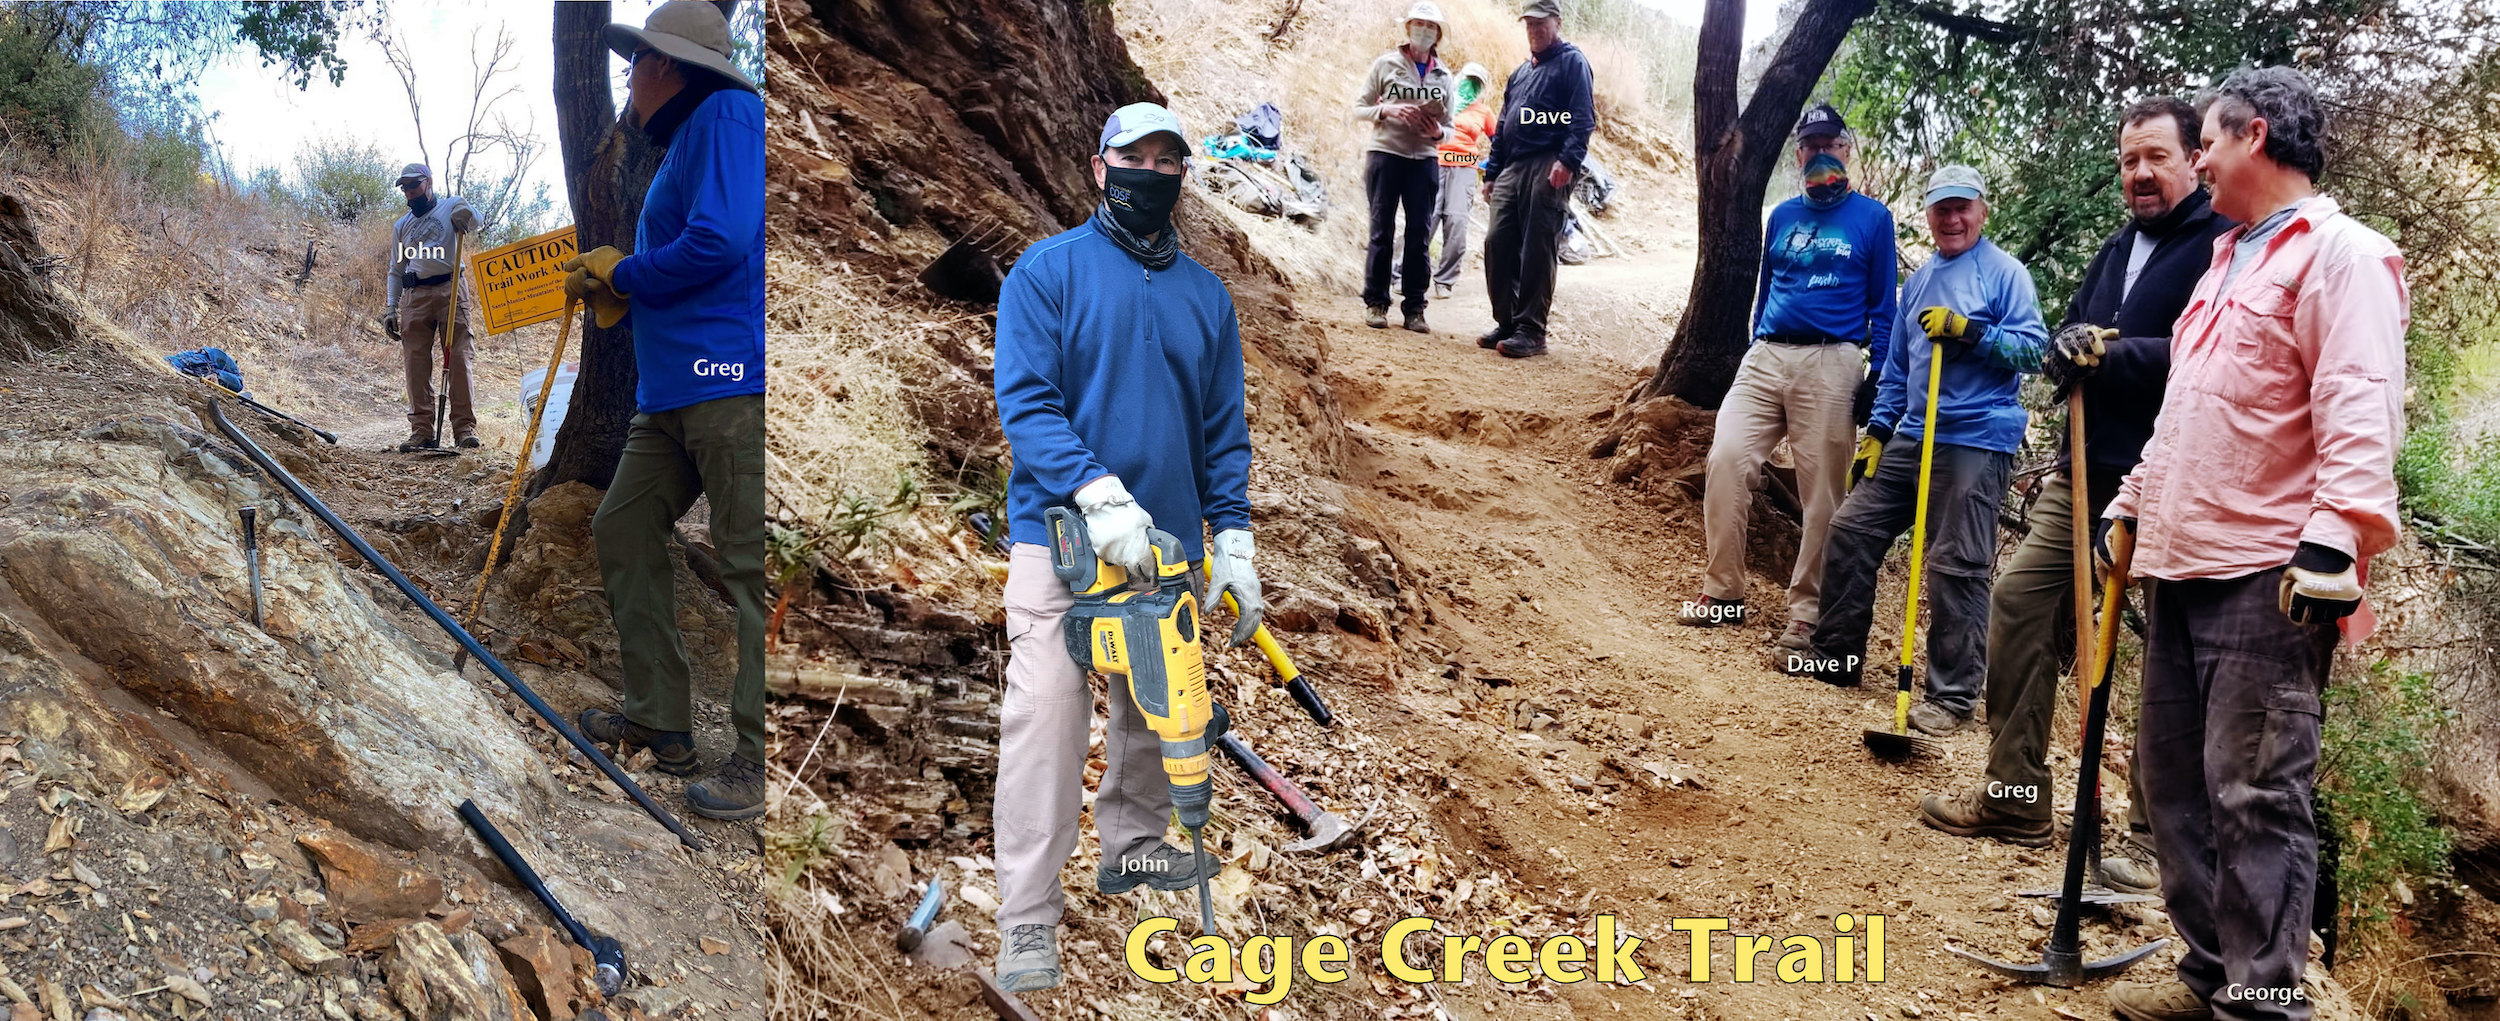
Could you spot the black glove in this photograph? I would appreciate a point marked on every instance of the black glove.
(390, 322)
(1862, 404)
(1881, 432)
(2320, 586)
(2102, 555)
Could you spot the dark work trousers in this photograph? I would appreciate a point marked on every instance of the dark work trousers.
(1393, 182)
(2031, 633)
(2229, 743)
(1961, 540)
(1521, 246)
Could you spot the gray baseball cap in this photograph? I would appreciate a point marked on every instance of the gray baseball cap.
(1138, 120)
(1955, 181)
(1540, 9)
(413, 171)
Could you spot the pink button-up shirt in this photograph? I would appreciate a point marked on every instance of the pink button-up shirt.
(2284, 409)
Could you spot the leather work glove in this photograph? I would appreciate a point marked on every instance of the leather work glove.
(588, 279)
(2076, 352)
(390, 322)
(2113, 541)
(1862, 467)
(1117, 526)
(1946, 325)
(1229, 570)
(2320, 586)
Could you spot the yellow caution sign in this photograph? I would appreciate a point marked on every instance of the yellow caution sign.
(518, 284)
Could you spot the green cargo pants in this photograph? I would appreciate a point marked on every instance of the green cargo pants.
(2030, 640)
(714, 449)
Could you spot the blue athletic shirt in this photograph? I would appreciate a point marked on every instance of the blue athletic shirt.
(1829, 271)
(695, 283)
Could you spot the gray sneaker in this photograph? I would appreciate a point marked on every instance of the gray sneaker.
(1799, 638)
(2134, 869)
(1938, 721)
(1164, 868)
(1028, 958)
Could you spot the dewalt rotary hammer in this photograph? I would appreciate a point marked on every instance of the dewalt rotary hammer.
(1150, 637)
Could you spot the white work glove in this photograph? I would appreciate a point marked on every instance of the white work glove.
(1117, 526)
(1229, 570)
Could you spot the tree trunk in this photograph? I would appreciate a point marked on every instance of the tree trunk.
(607, 168)
(1735, 154)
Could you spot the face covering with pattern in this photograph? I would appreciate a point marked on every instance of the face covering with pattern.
(1140, 198)
(1827, 182)
(1467, 92)
(1422, 38)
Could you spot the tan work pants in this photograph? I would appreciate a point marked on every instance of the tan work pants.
(1043, 725)
(422, 311)
(1801, 393)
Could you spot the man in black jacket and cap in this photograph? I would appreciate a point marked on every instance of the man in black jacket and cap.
(1540, 143)
(2115, 344)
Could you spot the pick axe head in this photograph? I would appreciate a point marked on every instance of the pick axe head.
(2064, 970)
(1328, 832)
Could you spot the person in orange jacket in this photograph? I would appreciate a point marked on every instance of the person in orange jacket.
(1471, 134)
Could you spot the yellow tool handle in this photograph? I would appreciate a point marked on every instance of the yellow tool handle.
(1285, 671)
(521, 470)
(1918, 518)
(2113, 598)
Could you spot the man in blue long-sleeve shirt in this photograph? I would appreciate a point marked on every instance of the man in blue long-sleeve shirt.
(1539, 145)
(1822, 313)
(1119, 379)
(1973, 306)
(694, 290)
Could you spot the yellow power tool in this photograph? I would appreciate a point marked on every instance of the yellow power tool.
(1150, 637)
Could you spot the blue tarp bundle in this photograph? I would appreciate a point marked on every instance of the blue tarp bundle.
(209, 361)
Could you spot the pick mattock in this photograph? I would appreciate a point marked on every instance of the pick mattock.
(1898, 743)
(2061, 963)
(521, 470)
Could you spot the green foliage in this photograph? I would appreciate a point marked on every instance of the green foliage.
(49, 94)
(345, 178)
(2443, 476)
(984, 491)
(799, 848)
(851, 534)
(746, 40)
(300, 37)
(2379, 732)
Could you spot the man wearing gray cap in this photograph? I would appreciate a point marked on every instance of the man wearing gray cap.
(422, 248)
(1549, 109)
(1973, 306)
(1119, 384)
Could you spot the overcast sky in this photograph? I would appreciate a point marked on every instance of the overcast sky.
(261, 120)
(1761, 16)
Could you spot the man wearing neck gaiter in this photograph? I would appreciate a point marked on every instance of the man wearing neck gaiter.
(422, 247)
(1120, 392)
(1824, 305)
(2115, 344)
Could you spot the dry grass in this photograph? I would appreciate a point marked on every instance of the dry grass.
(837, 364)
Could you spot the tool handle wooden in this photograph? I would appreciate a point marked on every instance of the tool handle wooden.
(2080, 523)
(521, 469)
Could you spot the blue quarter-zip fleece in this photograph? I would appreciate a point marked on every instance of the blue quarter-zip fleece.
(1829, 271)
(1107, 367)
(695, 283)
(1976, 404)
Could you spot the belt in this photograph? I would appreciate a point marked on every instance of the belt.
(407, 279)
(1807, 339)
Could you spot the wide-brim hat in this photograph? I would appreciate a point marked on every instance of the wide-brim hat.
(686, 31)
(1426, 10)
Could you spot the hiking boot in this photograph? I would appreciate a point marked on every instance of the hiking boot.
(1028, 958)
(1799, 638)
(1709, 612)
(673, 748)
(1937, 721)
(1377, 317)
(1164, 868)
(1441, 290)
(733, 792)
(466, 440)
(1415, 322)
(2158, 1001)
(2134, 869)
(420, 441)
(1974, 814)
(1493, 337)
(1521, 346)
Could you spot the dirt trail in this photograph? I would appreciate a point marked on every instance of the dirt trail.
(1564, 590)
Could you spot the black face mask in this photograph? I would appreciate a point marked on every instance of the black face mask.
(421, 204)
(1141, 199)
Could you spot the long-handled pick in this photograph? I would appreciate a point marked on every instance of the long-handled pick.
(251, 557)
(606, 954)
(1898, 743)
(2061, 963)
(521, 471)
(1296, 684)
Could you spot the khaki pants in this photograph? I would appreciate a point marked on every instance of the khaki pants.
(1801, 393)
(1043, 726)
(713, 449)
(422, 311)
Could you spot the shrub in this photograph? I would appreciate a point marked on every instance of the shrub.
(49, 95)
(2379, 732)
(344, 178)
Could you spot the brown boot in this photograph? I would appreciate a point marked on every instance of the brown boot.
(1973, 814)
(671, 750)
(2158, 1001)
(735, 791)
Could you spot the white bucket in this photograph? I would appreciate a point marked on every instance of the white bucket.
(557, 401)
